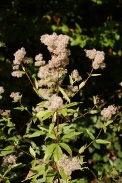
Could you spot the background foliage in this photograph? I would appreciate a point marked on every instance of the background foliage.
(90, 24)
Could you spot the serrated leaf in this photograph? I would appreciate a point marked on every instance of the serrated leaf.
(49, 150)
(70, 135)
(101, 141)
(51, 127)
(82, 84)
(57, 153)
(66, 147)
(32, 152)
(90, 134)
(81, 150)
(64, 94)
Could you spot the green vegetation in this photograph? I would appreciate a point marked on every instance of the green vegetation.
(32, 142)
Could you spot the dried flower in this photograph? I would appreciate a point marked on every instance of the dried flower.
(17, 74)
(5, 113)
(1, 89)
(19, 56)
(15, 95)
(54, 103)
(10, 159)
(75, 75)
(109, 111)
(90, 53)
(69, 165)
(97, 58)
(39, 60)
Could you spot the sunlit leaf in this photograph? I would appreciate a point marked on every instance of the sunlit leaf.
(81, 150)
(64, 94)
(66, 147)
(90, 134)
(101, 141)
(57, 153)
(49, 150)
(32, 152)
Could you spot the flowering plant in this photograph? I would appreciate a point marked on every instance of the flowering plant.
(53, 121)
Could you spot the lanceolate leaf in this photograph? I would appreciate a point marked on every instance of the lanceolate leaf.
(81, 150)
(82, 84)
(70, 135)
(32, 152)
(64, 94)
(67, 148)
(100, 141)
(57, 153)
(49, 150)
(90, 134)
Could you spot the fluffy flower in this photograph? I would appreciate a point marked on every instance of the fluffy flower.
(75, 75)
(17, 74)
(10, 159)
(97, 58)
(90, 53)
(19, 55)
(1, 91)
(5, 113)
(39, 60)
(15, 95)
(109, 111)
(69, 165)
(54, 103)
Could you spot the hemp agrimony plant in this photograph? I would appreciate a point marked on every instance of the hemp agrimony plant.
(52, 157)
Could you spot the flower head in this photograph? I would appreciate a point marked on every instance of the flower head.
(109, 111)
(97, 58)
(10, 159)
(69, 165)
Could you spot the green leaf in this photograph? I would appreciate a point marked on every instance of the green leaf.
(51, 127)
(71, 80)
(57, 153)
(81, 150)
(52, 136)
(108, 122)
(70, 135)
(35, 134)
(32, 152)
(93, 111)
(96, 74)
(4, 153)
(49, 150)
(63, 112)
(90, 134)
(44, 114)
(64, 94)
(72, 104)
(100, 141)
(21, 108)
(36, 83)
(82, 84)
(66, 147)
